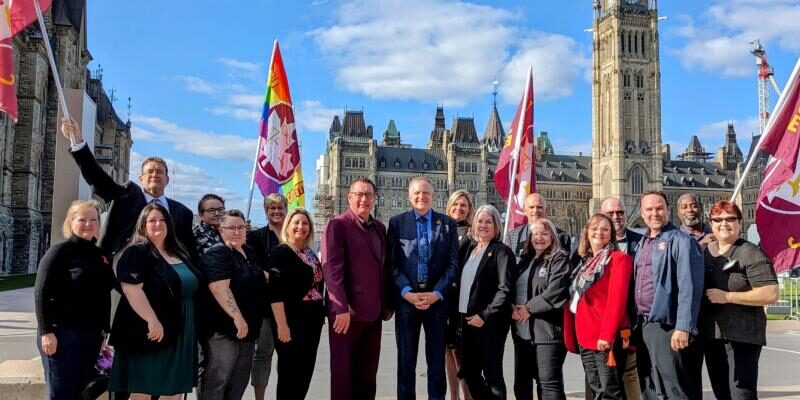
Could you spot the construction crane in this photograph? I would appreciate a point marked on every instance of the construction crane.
(765, 73)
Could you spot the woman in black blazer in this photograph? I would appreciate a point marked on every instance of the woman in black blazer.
(154, 330)
(73, 302)
(487, 269)
(541, 290)
(296, 289)
(461, 210)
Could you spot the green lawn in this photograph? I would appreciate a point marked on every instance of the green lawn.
(16, 282)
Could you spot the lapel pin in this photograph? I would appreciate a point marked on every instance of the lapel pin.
(490, 254)
(438, 222)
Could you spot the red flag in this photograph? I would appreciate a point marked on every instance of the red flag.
(778, 205)
(782, 137)
(14, 17)
(515, 176)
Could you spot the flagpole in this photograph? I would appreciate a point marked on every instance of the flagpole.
(781, 100)
(260, 138)
(517, 143)
(46, 39)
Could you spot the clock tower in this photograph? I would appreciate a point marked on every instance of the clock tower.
(626, 101)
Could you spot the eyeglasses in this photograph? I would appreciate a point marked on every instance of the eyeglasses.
(612, 213)
(730, 220)
(368, 195)
(235, 228)
(220, 210)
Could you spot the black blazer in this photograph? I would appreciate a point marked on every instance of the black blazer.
(548, 292)
(125, 203)
(290, 279)
(162, 287)
(488, 296)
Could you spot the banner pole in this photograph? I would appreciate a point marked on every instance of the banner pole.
(61, 99)
(517, 143)
(260, 137)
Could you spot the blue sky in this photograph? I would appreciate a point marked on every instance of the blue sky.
(196, 71)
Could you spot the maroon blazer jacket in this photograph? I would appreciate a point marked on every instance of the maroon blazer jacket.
(355, 271)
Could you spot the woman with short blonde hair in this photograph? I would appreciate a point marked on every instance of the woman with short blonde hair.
(73, 302)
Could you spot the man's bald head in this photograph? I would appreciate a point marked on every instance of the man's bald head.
(535, 207)
(614, 208)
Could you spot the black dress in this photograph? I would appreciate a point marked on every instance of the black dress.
(296, 281)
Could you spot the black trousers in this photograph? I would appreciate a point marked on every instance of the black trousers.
(541, 362)
(71, 367)
(482, 359)
(297, 357)
(663, 373)
(732, 368)
(605, 381)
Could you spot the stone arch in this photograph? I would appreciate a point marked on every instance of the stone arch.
(637, 178)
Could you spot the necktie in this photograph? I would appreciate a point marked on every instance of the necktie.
(423, 251)
(156, 201)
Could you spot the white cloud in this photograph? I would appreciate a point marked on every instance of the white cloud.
(721, 39)
(313, 116)
(239, 64)
(247, 107)
(716, 131)
(188, 183)
(199, 85)
(195, 141)
(138, 133)
(444, 51)
(551, 80)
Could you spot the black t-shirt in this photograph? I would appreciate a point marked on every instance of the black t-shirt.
(247, 283)
(263, 241)
(749, 268)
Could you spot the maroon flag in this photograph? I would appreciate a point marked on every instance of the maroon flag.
(782, 137)
(14, 17)
(778, 205)
(515, 176)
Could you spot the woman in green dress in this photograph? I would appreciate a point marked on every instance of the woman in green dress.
(154, 330)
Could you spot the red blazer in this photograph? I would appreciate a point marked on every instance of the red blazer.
(356, 274)
(601, 312)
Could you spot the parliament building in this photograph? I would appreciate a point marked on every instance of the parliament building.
(628, 157)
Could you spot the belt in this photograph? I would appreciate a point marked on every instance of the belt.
(422, 287)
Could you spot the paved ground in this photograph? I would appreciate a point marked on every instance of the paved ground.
(778, 376)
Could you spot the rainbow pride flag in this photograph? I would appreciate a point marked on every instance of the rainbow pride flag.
(278, 160)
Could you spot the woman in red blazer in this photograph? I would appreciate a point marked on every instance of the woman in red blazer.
(596, 324)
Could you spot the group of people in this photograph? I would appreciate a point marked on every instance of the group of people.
(215, 300)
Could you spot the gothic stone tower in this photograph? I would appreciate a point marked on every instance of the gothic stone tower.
(626, 101)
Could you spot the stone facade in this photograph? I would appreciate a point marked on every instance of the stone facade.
(27, 148)
(627, 158)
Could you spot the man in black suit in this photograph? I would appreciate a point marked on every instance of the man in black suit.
(423, 259)
(127, 200)
(534, 208)
(626, 240)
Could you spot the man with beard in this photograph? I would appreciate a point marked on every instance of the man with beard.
(690, 212)
(668, 287)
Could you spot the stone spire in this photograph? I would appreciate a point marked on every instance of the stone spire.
(438, 132)
(391, 136)
(695, 151)
(729, 155)
(494, 135)
(464, 132)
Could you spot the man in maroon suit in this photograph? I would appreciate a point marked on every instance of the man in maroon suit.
(353, 263)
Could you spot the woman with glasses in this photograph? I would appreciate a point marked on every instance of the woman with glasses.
(210, 209)
(460, 209)
(154, 331)
(238, 285)
(542, 289)
(739, 282)
(596, 323)
(296, 289)
(73, 302)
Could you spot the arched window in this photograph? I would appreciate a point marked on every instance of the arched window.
(637, 181)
